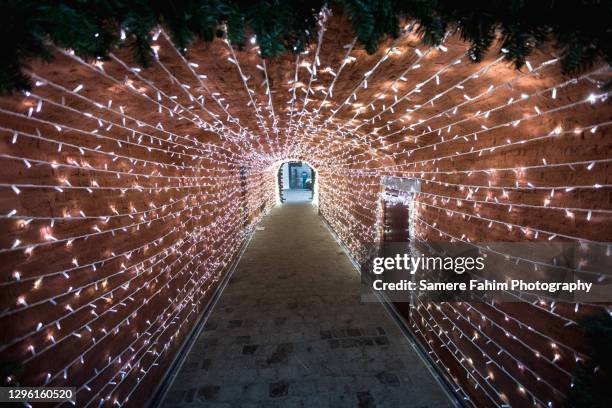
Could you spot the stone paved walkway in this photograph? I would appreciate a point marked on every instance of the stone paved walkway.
(290, 331)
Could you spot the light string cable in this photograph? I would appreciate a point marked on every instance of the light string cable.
(152, 260)
(310, 133)
(345, 61)
(292, 107)
(529, 186)
(567, 320)
(465, 357)
(293, 138)
(551, 234)
(546, 310)
(41, 81)
(293, 143)
(458, 85)
(260, 119)
(485, 114)
(555, 343)
(589, 164)
(197, 121)
(592, 98)
(402, 77)
(14, 134)
(468, 100)
(59, 127)
(122, 302)
(51, 240)
(108, 294)
(224, 132)
(199, 100)
(418, 89)
(85, 164)
(190, 66)
(133, 389)
(275, 122)
(38, 278)
(459, 357)
(312, 67)
(186, 297)
(133, 312)
(363, 81)
(178, 308)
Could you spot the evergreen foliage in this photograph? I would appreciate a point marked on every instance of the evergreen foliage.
(580, 30)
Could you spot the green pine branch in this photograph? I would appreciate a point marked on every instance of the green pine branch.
(580, 31)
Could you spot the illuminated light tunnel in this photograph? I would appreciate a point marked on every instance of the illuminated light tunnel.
(134, 200)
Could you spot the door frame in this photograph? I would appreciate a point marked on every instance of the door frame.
(408, 188)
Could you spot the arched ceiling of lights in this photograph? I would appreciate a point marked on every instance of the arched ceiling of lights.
(128, 191)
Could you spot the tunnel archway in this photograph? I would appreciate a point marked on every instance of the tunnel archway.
(280, 184)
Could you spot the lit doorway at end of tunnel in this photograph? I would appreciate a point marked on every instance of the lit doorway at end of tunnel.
(296, 182)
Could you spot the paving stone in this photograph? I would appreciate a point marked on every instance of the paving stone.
(382, 341)
(281, 355)
(210, 342)
(289, 373)
(205, 364)
(353, 332)
(244, 375)
(189, 395)
(234, 323)
(347, 400)
(395, 364)
(334, 344)
(250, 349)
(347, 343)
(190, 367)
(406, 379)
(267, 374)
(208, 393)
(367, 342)
(339, 333)
(365, 400)
(388, 379)
(175, 396)
(229, 392)
(303, 388)
(279, 389)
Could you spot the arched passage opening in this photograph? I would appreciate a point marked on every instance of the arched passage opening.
(296, 181)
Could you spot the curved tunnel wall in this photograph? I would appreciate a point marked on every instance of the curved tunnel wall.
(126, 194)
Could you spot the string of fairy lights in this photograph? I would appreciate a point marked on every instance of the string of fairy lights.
(169, 186)
(485, 114)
